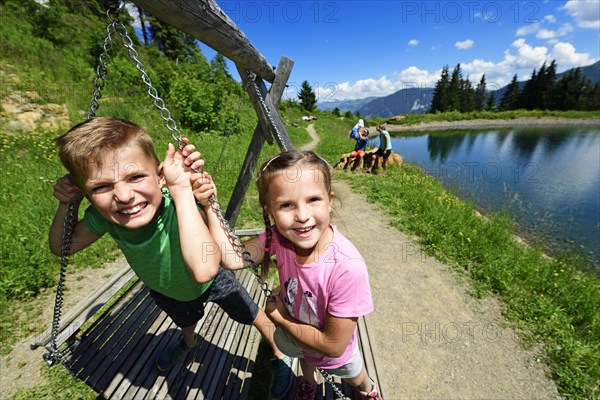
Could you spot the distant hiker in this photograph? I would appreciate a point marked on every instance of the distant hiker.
(362, 138)
(354, 132)
(384, 150)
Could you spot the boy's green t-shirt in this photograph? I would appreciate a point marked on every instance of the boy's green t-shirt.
(153, 251)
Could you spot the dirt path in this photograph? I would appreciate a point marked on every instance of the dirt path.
(434, 340)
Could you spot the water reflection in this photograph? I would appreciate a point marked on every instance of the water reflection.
(549, 179)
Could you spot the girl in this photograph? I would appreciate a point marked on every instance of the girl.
(323, 278)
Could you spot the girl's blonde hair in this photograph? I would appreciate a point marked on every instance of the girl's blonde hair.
(268, 171)
(82, 148)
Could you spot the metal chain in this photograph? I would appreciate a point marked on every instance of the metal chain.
(54, 356)
(329, 379)
(239, 247)
(165, 114)
(101, 69)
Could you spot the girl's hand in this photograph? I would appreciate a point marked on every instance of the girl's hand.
(276, 310)
(66, 191)
(203, 187)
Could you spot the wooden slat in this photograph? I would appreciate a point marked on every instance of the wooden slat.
(117, 356)
(102, 330)
(130, 373)
(110, 355)
(73, 319)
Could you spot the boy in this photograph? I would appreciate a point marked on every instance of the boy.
(150, 211)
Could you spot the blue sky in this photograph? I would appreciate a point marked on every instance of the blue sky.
(354, 49)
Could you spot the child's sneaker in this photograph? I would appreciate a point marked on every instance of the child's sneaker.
(373, 394)
(306, 391)
(173, 354)
(367, 171)
(281, 376)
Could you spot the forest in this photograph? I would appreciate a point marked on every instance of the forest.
(543, 91)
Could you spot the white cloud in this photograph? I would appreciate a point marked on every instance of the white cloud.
(410, 77)
(550, 18)
(528, 29)
(413, 76)
(465, 44)
(528, 56)
(546, 34)
(413, 42)
(585, 12)
(566, 56)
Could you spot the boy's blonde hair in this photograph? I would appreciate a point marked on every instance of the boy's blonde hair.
(82, 148)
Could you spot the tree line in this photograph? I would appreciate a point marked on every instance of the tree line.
(543, 91)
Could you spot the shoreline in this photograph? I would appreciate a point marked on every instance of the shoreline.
(496, 123)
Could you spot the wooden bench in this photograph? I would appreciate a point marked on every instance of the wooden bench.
(116, 353)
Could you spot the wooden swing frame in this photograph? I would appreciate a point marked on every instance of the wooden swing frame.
(115, 352)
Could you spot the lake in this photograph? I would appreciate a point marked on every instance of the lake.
(547, 179)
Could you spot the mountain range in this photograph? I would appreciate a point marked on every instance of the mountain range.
(418, 100)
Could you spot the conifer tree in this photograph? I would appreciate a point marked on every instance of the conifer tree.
(491, 102)
(454, 90)
(307, 97)
(481, 94)
(466, 96)
(439, 102)
(142, 16)
(527, 98)
(510, 99)
(546, 86)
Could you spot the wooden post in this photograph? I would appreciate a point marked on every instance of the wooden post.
(205, 21)
(258, 139)
(268, 116)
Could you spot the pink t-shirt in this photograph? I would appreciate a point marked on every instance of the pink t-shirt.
(338, 283)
